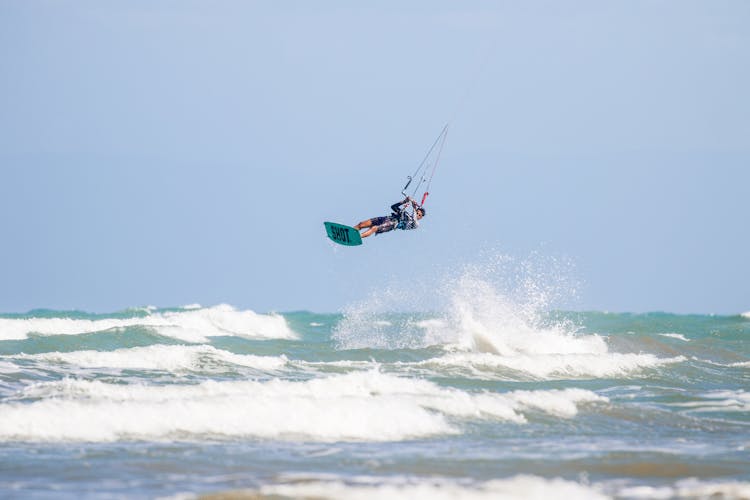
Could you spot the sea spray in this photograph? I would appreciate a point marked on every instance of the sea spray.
(497, 323)
(489, 313)
(492, 305)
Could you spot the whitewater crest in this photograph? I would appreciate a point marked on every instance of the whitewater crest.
(487, 319)
(496, 323)
(546, 366)
(689, 488)
(360, 406)
(497, 306)
(519, 486)
(720, 401)
(386, 488)
(190, 324)
(171, 358)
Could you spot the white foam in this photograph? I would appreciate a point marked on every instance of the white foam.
(559, 402)
(512, 488)
(521, 486)
(480, 316)
(675, 336)
(173, 358)
(6, 367)
(362, 406)
(488, 320)
(144, 309)
(746, 315)
(723, 401)
(549, 366)
(192, 325)
(689, 488)
(492, 333)
(350, 364)
(741, 364)
(731, 400)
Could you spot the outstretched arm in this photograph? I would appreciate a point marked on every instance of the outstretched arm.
(396, 207)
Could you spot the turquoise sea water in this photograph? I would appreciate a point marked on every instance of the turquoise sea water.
(484, 399)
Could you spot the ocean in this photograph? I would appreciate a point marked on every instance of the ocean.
(488, 395)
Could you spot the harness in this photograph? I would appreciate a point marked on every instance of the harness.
(405, 220)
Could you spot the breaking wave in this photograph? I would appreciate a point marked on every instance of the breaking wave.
(497, 318)
(172, 358)
(521, 486)
(191, 324)
(360, 406)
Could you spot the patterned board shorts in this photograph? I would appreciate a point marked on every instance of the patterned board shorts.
(384, 224)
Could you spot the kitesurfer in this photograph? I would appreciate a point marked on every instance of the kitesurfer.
(400, 218)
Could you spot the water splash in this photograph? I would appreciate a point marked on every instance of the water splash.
(499, 304)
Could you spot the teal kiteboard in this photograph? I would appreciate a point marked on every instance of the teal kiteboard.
(343, 235)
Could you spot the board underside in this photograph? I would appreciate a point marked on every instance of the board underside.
(342, 234)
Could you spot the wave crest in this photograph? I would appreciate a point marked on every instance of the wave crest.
(172, 358)
(360, 406)
(188, 324)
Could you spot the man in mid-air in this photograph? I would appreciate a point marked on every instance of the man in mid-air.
(401, 218)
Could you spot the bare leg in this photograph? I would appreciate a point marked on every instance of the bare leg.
(369, 232)
(363, 224)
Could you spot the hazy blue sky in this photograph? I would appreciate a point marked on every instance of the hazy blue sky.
(173, 152)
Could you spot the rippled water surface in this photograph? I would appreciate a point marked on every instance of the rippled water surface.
(481, 400)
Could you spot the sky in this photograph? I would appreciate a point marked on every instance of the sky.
(177, 152)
